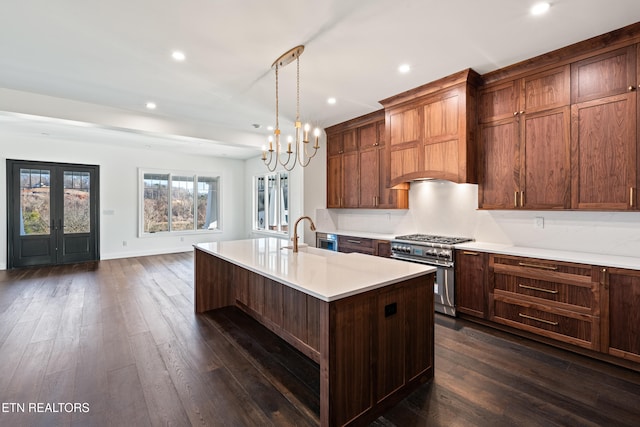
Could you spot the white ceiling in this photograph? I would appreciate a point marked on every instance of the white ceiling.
(115, 55)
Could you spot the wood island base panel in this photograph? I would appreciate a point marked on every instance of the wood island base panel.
(373, 347)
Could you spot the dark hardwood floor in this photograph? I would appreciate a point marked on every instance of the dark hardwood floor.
(120, 340)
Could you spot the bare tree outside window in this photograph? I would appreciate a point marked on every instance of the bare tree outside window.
(174, 203)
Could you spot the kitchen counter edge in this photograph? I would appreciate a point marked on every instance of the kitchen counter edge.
(604, 260)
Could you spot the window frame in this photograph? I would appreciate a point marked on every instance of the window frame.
(254, 211)
(178, 173)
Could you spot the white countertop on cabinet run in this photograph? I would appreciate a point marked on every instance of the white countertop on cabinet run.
(603, 260)
(323, 274)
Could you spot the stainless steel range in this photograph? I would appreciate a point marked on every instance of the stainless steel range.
(439, 252)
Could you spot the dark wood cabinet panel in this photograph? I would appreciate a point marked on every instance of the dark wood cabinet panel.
(498, 102)
(418, 332)
(369, 165)
(546, 90)
(558, 300)
(350, 180)
(334, 182)
(500, 171)
(361, 245)
(545, 177)
(390, 314)
(273, 299)
(471, 278)
(607, 74)
(358, 176)
(622, 302)
(404, 126)
(604, 153)
(526, 154)
(431, 130)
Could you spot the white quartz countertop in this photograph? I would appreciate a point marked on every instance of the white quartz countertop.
(321, 273)
(603, 260)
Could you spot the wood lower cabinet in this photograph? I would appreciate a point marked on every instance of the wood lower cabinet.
(621, 303)
(364, 245)
(558, 300)
(471, 283)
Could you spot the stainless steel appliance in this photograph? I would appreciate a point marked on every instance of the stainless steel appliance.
(437, 251)
(327, 241)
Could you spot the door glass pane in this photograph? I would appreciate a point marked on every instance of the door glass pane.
(207, 203)
(35, 201)
(182, 203)
(271, 203)
(260, 219)
(284, 201)
(77, 209)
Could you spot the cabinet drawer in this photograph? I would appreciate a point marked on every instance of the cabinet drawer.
(356, 244)
(563, 326)
(577, 296)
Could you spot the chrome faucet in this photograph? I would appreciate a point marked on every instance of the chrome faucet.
(295, 231)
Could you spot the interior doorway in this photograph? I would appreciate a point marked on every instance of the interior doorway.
(52, 213)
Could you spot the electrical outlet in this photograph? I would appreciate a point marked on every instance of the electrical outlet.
(539, 222)
(124, 243)
(182, 239)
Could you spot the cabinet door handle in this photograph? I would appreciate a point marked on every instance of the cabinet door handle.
(631, 196)
(515, 199)
(548, 322)
(544, 267)
(533, 288)
(632, 88)
(604, 279)
(522, 199)
(354, 241)
(470, 253)
(515, 113)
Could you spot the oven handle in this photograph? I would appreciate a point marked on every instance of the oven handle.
(431, 263)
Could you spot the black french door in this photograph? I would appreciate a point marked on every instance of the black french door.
(53, 213)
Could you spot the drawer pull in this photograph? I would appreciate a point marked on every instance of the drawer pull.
(533, 288)
(357, 242)
(548, 322)
(544, 267)
(470, 253)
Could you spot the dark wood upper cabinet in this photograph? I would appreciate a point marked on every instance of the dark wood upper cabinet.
(357, 170)
(604, 120)
(525, 141)
(607, 74)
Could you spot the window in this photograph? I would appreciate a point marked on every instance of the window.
(179, 202)
(271, 201)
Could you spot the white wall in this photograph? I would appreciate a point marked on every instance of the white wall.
(439, 207)
(119, 190)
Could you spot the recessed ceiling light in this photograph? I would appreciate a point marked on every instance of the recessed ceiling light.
(404, 68)
(539, 8)
(331, 101)
(269, 127)
(151, 105)
(178, 56)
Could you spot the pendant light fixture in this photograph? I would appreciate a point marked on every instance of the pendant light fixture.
(299, 148)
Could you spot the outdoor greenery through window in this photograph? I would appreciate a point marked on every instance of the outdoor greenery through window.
(271, 201)
(180, 202)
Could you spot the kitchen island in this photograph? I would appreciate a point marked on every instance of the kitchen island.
(367, 321)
